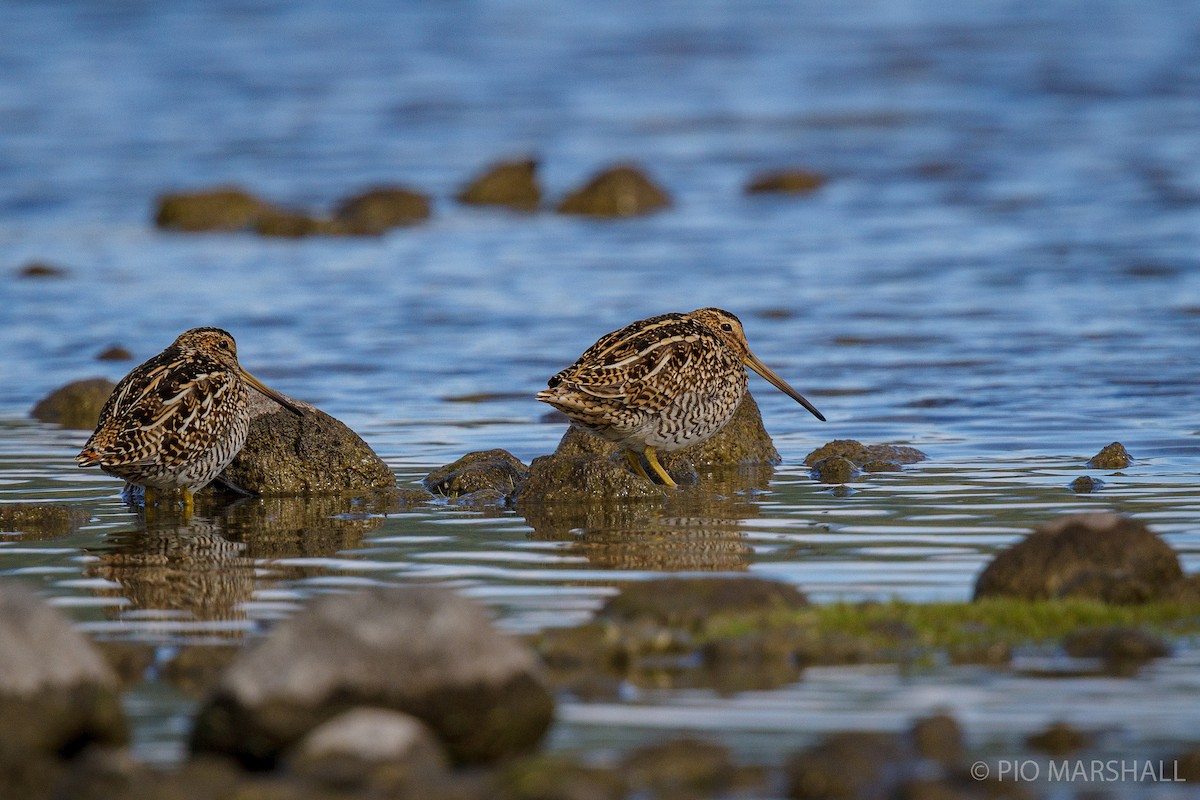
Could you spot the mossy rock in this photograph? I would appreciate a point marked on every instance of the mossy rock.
(620, 191)
(76, 405)
(1113, 456)
(496, 470)
(1104, 556)
(41, 519)
(228, 208)
(512, 184)
(861, 454)
(382, 208)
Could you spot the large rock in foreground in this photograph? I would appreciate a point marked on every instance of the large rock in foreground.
(316, 454)
(422, 650)
(1106, 557)
(57, 693)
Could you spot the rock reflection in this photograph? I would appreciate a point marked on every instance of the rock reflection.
(694, 529)
(208, 566)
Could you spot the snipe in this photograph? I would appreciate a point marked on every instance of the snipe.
(662, 384)
(176, 421)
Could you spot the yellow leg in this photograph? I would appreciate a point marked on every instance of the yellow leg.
(189, 503)
(652, 460)
(150, 497)
(636, 463)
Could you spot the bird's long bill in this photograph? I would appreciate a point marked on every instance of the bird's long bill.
(780, 384)
(271, 393)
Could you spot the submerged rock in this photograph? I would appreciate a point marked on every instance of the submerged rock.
(879, 456)
(497, 471)
(76, 405)
(619, 191)
(227, 208)
(57, 692)
(835, 469)
(690, 602)
(41, 519)
(1085, 484)
(682, 768)
(114, 353)
(378, 210)
(583, 479)
(316, 454)
(42, 269)
(1116, 644)
(1108, 557)
(421, 650)
(1060, 739)
(1113, 456)
(788, 181)
(289, 224)
(507, 183)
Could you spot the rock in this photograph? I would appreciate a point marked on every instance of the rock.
(1185, 590)
(555, 776)
(789, 181)
(497, 470)
(114, 353)
(861, 454)
(506, 183)
(583, 479)
(679, 768)
(835, 469)
(1060, 739)
(620, 191)
(848, 766)
(1116, 643)
(76, 405)
(41, 519)
(289, 224)
(41, 269)
(378, 210)
(939, 738)
(57, 693)
(689, 603)
(316, 454)
(1086, 484)
(1075, 554)
(422, 650)
(219, 209)
(1114, 456)
(1187, 765)
(369, 747)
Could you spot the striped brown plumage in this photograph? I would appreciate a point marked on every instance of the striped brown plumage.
(662, 383)
(177, 420)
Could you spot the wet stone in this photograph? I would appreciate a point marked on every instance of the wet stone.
(497, 471)
(1104, 556)
(421, 650)
(114, 353)
(939, 738)
(42, 269)
(507, 183)
(218, 209)
(861, 454)
(1060, 739)
(380, 209)
(1114, 456)
(690, 602)
(315, 454)
(787, 181)
(288, 224)
(57, 692)
(849, 765)
(835, 469)
(1116, 643)
(41, 519)
(582, 479)
(679, 768)
(620, 191)
(555, 776)
(1086, 484)
(76, 405)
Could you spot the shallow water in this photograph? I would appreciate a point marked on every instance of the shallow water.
(1001, 272)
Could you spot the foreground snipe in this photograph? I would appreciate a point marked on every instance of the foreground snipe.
(662, 383)
(177, 420)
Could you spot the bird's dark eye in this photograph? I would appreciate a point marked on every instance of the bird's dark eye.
(725, 326)
(223, 344)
